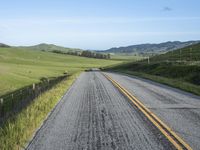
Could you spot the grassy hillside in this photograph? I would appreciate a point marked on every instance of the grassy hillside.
(4, 45)
(51, 47)
(150, 48)
(20, 67)
(189, 53)
(179, 68)
(125, 57)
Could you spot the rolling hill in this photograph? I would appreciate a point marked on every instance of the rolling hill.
(151, 48)
(4, 45)
(50, 47)
(188, 53)
(21, 67)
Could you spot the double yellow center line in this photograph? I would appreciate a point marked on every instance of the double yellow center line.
(177, 141)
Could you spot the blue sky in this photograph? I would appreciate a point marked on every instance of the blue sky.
(98, 24)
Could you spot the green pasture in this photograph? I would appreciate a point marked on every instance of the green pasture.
(21, 67)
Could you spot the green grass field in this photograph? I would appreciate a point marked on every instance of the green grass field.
(125, 57)
(21, 67)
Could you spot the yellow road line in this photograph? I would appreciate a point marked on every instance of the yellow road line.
(177, 141)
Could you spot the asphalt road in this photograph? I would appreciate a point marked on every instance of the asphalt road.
(179, 110)
(93, 115)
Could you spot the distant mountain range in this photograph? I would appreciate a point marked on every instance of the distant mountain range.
(4, 45)
(151, 48)
(133, 49)
(50, 47)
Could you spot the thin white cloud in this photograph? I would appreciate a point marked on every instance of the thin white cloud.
(121, 20)
(100, 20)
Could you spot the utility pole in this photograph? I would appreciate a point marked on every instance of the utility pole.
(148, 60)
(172, 58)
(190, 54)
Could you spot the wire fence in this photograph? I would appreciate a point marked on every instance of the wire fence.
(15, 101)
(189, 57)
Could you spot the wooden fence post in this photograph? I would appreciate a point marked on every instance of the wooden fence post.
(33, 86)
(1, 107)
